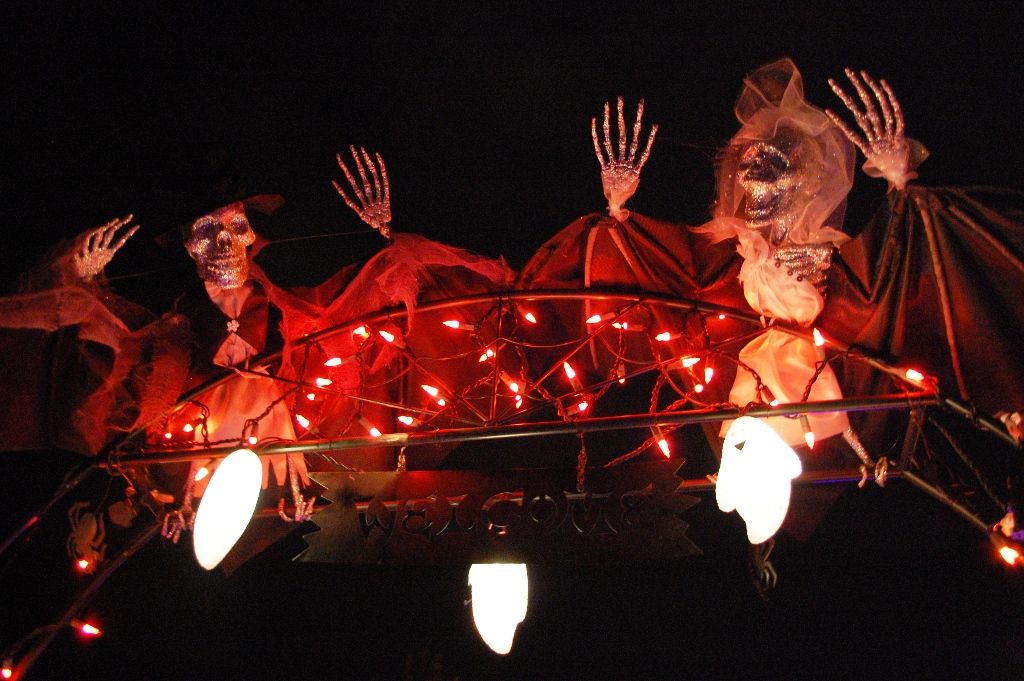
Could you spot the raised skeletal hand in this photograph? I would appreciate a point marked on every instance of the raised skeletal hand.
(889, 153)
(374, 207)
(96, 247)
(620, 173)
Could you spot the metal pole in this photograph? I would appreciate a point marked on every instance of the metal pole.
(546, 428)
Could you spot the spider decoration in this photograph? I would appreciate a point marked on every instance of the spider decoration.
(86, 544)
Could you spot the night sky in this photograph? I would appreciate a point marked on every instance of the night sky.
(482, 116)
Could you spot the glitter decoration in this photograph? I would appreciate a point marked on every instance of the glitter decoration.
(218, 242)
(303, 507)
(374, 207)
(769, 181)
(620, 173)
(889, 153)
(96, 247)
(810, 262)
(881, 467)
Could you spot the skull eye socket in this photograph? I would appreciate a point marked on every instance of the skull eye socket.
(763, 162)
(205, 229)
(239, 226)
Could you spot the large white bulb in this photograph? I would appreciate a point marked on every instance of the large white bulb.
(754, 478)
(499, 592)
(227, 506)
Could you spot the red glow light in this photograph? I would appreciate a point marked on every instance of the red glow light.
(6, 671)
(82, 564)
(86, 628)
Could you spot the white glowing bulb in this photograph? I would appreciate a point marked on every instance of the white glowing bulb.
(7, 671)
(1009, 554)
(204, 471)
(688, 362)
(582, 406)
(530, 318)
(519, 401)
(333, 362)
(709, 373)
(303, 421)
(663, 336)
(323, 382)
(698, 388)
(819, 340)
(451, 323)
(387, 335)
(500, 593)
(361, 332)
(755, 476)
(408, 420)
(188, 427)
(594, 319)
(721, 316)
(569, 371)
(430, 390)
(914, 375)
(227, 506)
(311, 397)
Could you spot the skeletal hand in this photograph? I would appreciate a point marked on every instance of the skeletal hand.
(889, 153)
(374, 207)
(620, 174)
(93, 248)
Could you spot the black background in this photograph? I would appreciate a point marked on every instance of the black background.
(482, 114)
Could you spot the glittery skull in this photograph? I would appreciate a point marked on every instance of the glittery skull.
(217, 242)
(769, 182)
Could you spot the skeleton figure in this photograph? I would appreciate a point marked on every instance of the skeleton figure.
(85, 543)
(782, 186)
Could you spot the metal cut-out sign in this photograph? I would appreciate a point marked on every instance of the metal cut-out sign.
(626, 514)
